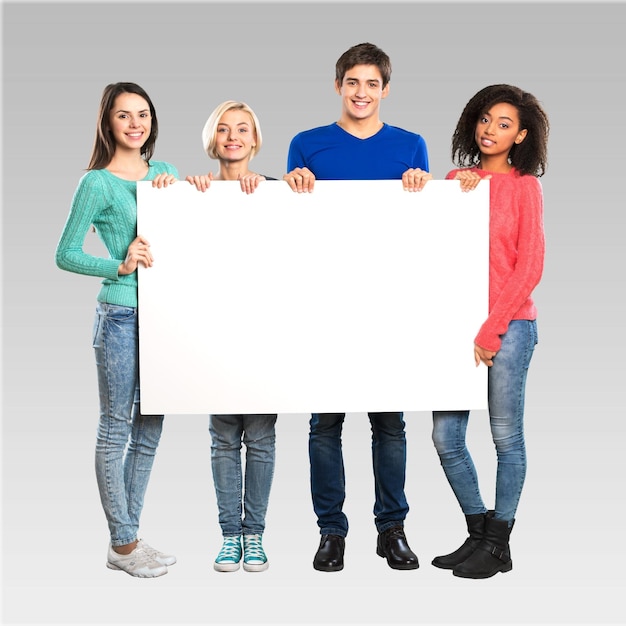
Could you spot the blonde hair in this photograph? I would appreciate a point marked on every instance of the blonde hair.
(209, 132)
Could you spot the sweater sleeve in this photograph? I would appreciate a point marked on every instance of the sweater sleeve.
(528, 265)
(87, 201)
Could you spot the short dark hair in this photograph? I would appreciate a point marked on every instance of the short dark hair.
(527, 157)
(104, 143)
(364, 54)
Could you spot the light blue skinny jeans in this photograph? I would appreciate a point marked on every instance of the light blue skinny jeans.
(126, 440)
(506, 391)
(228, 432)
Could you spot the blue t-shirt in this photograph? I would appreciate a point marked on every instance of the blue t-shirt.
(331, 153)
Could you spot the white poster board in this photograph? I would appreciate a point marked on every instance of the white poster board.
(356, 297)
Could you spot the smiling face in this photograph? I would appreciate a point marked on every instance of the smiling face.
(235, 137)
(497, 131)
(361, 91)
(130, 121)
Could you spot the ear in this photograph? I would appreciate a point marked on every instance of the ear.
(337, 86)
(521, 136)
(385, 91)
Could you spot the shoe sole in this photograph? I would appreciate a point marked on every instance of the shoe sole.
(255, 567)
(400, 567)
(121, 569)
(507, 567)
(328, 568)
(225, 567)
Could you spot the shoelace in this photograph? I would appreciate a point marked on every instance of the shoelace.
(141, 557)
(231, 550)
(149, 550)
(253, 548)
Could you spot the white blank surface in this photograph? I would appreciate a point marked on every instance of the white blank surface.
(359, 296)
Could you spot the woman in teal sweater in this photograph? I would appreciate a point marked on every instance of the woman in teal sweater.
(106, 199)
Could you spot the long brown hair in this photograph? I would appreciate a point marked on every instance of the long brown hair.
(104, 143)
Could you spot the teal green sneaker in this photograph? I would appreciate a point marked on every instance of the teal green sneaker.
(254, 559)
(229, 556)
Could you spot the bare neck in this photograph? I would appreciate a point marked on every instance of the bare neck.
(128, 164)
(232, 170)
(497, 165)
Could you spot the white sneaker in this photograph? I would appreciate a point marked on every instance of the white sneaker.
(161, 557)
(138, 563)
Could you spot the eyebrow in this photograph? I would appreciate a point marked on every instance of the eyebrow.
(502, 117)
(238, 124)
(366, 80)
(125, 111)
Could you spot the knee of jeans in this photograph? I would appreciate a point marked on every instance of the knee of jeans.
(507, 439)
(444, 438)
(440, 443)
(225, 445)
(262, 440)
(509, 445)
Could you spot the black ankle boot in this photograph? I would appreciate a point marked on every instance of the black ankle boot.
(492, 554)
(476, 530)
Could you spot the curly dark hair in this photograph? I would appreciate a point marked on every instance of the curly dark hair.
(364, 54)
(104, 144)
(528, 157)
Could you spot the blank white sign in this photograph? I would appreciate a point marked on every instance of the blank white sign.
(356, 297)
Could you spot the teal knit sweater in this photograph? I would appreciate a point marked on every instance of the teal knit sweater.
(110, 204)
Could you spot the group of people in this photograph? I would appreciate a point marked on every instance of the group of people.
(500, 136)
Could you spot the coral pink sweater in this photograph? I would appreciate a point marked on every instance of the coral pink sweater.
(516, 252)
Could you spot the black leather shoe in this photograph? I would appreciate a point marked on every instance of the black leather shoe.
(393, 546)
(329, 556)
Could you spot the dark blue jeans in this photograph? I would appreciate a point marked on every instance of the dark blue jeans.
(328, 485)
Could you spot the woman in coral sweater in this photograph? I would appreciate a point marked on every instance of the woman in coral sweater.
(501, 136)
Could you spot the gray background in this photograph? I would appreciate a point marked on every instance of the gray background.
(567, 545)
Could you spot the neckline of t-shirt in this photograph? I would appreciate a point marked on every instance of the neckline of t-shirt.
(376, 134)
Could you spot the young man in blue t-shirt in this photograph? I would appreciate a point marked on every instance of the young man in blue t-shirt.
(359, 147)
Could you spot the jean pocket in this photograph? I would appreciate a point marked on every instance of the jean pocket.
(117, 313)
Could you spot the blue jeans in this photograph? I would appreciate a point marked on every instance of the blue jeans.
(126, 440)
(258, 434)
(328, 485)
(506, 390)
